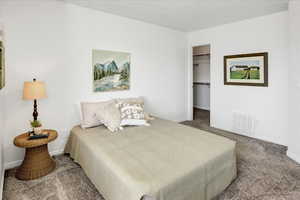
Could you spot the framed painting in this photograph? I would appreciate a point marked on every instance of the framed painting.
(246, 69)
(111, 70)
(2, 70)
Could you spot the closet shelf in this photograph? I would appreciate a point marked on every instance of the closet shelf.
(201, 83)
(206, 54)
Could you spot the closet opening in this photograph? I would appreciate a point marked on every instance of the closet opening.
(201, 84)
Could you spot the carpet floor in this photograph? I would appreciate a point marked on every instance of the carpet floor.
(264, 173)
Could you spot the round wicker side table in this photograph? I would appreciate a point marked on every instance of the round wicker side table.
(37, 161)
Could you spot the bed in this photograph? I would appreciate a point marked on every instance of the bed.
(165, 161)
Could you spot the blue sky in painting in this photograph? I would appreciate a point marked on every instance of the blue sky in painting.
(244, 62)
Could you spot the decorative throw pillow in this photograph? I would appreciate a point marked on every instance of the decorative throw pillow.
(132, 114)
(88, 111)
(110, 116)
(139, 100)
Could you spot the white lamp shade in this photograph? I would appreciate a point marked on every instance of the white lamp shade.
(34, 90)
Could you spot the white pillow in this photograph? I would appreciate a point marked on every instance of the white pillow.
(88, 111)
(139, 100)
(110, 116)
(134, 122)
(132, 114)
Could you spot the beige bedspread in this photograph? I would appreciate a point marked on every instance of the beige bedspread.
(166, 161)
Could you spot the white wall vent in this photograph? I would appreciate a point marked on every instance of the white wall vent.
(244, 124)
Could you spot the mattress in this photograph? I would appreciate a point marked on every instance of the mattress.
(165, 161)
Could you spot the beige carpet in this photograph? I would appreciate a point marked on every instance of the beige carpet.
(264, 170)
(264, 173)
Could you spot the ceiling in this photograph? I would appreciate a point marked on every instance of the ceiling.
(186, 15)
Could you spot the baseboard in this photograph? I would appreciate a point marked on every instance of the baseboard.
(201, 107)
(293, 156)
(57, 152)
(1, 182)
(13, 164)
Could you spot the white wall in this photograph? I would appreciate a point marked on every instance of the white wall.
(294, 80)
(1, 143)
(1, 128)
(202, 70)
(265, 106)
(53, 42)
(201, 96)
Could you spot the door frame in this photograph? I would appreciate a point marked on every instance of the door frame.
(190, 90)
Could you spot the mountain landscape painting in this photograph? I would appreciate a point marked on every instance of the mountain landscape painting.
(111, 70)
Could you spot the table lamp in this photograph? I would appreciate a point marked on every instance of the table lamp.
(33, 91)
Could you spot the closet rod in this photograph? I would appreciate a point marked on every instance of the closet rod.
(201, 83)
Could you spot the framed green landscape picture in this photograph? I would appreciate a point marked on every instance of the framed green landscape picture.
(111, 70)
(246, 69)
